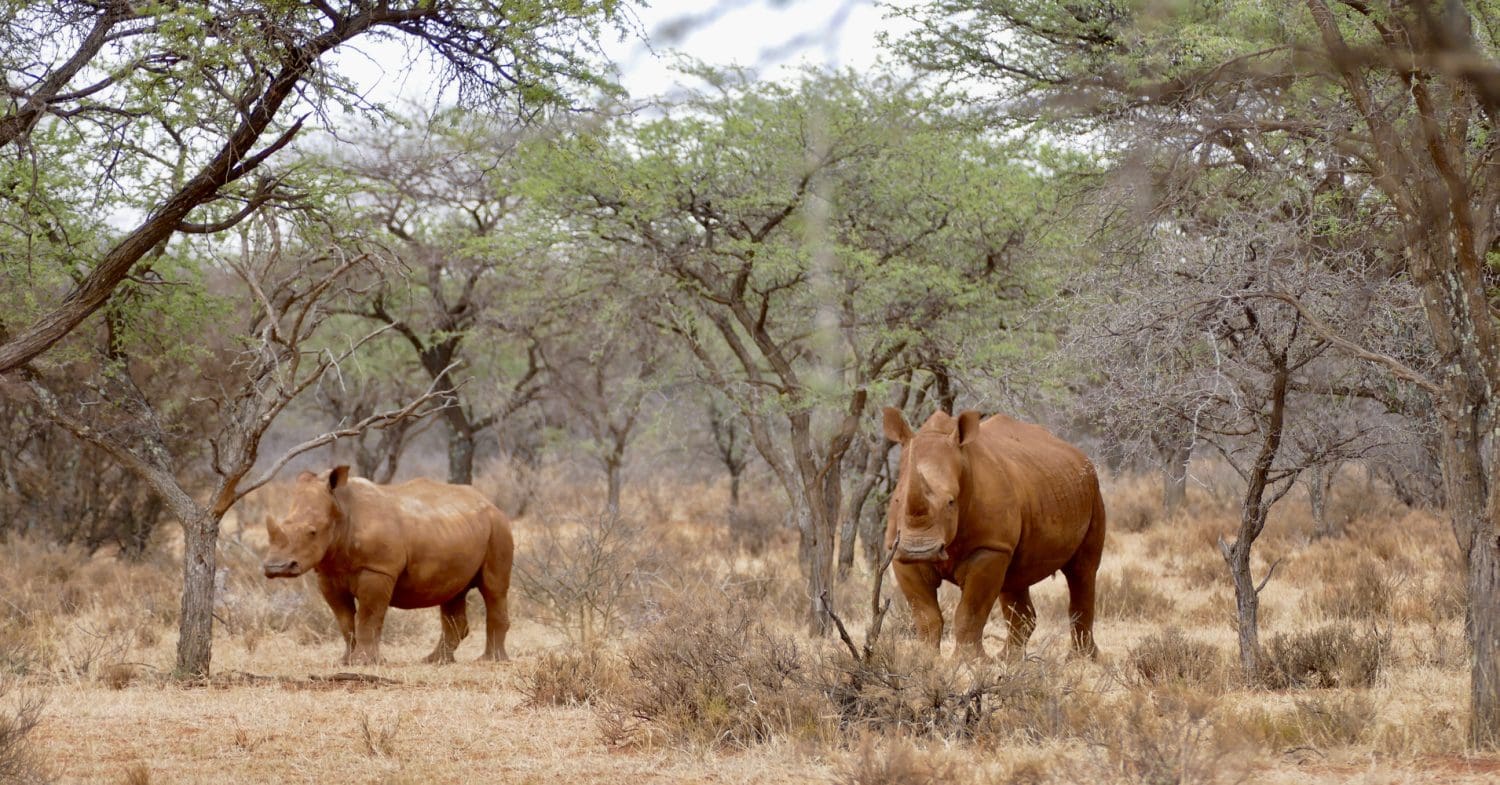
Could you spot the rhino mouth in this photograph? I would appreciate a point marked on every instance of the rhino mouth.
(282, 569)
(922, 553)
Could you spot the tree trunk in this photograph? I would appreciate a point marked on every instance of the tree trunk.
(874, 457)
(1484, 638)
(612, 470)
(460, 453)
(734, 488)
(1174, 482)
(1472, 507)
(1246, 604)
(199, 562)
(1253, 511)
(1175, 448)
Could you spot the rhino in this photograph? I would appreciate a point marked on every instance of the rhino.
(994, 506)
(417, 544)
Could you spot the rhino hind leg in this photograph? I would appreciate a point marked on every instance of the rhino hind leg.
(1020, 619)
(455, 621)
(494, 587)
(1081, 573)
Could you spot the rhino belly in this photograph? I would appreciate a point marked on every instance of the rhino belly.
(430, 582)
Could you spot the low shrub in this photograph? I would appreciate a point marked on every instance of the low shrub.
(904, 689)
(1130, 595)
(895, 762)
(1170, 657)
(714, 675)
(570, 678)
(1165, 738)
(582, 576)
(1363, 593)
(1331, 656)
(1320, 722)
(18, 762)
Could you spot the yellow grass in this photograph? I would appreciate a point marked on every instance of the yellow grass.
(96, 637)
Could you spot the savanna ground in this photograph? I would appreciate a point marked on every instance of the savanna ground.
(696, 670)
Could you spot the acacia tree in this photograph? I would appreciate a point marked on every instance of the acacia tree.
(165, 114)
(602, 372)
(1188, 345)
(801, 238)
(288, 287)
(444, 189)
(1402, 98)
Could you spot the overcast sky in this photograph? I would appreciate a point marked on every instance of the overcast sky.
(766, 35)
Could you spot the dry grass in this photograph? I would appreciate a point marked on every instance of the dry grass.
(705, 673)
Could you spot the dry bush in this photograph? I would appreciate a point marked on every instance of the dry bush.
(1165, 738)
(1134, 506)
(904, 689)
(1359, 590)
(1170, 657)
(585, 575)
(18, 763)
(571, 678)
(883, 761)
(707, 674)
(251, 605)
(137, 774)
(1329, 720)
(1331, 656)
(1131, 595)
(379, 740)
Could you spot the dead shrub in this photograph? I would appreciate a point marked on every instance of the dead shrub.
(379, 741)
(570, 678)
(1170, 657)
(584, 576)
(1134, 507)
(1163, 739)
(904, 689)
(1365, 593)
(118, 676)
(1320, 722)
(1131, 595)
(717, 676)
(895, 762)
(18, 763)
(1331, 656)
(137, 774)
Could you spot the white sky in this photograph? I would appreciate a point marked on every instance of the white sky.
(765, 35)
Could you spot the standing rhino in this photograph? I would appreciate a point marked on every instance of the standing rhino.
(993, 506)
(414, 545)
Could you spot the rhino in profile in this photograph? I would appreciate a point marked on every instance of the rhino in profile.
(417, 544)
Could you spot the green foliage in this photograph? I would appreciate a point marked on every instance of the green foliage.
(848, 220)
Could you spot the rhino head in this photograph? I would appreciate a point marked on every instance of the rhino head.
(929, 495)
(300, 540)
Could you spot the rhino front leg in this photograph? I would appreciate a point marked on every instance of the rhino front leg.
(341, 601)
(919, 582)
(372, 593)
(980, 577)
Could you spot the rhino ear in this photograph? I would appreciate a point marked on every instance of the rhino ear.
(895, 425)
(338, 478)
(968, 426)
(305, 475)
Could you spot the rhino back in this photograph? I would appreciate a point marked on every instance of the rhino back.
(431, 536)
(1034, 492)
